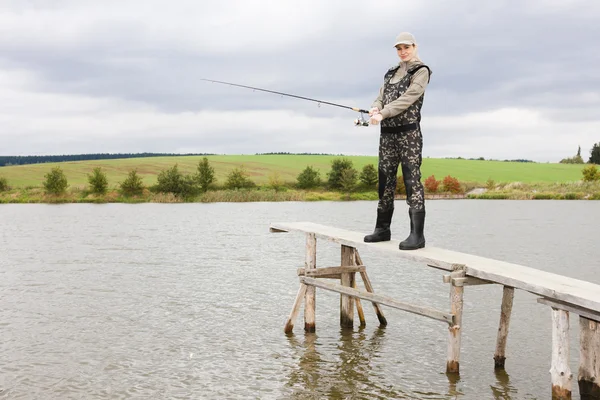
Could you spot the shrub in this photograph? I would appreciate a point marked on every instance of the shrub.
(275, 181)
(56, 181)
(335, 174)
(369, 176)
(238, 179)
(590, 173)
(206, 175)
(572, 160)
(309, 178)
(431, 184)
(98, 181)
(400, 186)
(173, 181)
(3, 184)
(451, 185)
(348, 179)
(132, 185)
(490, 184)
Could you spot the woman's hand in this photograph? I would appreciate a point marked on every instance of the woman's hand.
(375, 119)
(374, 110)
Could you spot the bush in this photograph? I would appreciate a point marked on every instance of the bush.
(173, 181)
(590, 173)
(238, 179)
(348, 179)
(572, 160)
(369, 176)
(431, 184)
(490, 184)
(56, 181)
(206, 175)
(451, 185)
(132, 185)
(309, 178)
(335, 175)
(400, 186)
(275, 181)
(98, 181)
(3, 184)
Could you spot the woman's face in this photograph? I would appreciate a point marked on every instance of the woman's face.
(405, 51)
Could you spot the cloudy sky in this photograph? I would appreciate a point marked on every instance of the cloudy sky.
(511, 79)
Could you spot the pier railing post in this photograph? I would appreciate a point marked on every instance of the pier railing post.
(347, 279)
(508, 294)
(310, 296)
(456, 308)
(589, 358)
(560, 371)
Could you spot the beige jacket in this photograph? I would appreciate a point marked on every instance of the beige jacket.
(415, 90)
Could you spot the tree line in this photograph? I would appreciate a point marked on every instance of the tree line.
(23, 160)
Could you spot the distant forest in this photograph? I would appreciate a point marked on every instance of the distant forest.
(22, 160)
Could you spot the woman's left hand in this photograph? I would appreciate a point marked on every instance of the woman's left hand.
(375, 119)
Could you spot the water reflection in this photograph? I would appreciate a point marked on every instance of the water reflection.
(502, 390)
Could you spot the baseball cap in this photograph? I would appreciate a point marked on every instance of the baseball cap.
(405, 38)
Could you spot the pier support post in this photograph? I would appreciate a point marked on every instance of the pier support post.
(560, 371)
(310, 296)
(589, 359)
(456, 308)
(369, 287)
(348, 279)
(505, 311)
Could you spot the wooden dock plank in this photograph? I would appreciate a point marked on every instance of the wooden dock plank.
(546, 284)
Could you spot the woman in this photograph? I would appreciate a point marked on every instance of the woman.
(398, 110)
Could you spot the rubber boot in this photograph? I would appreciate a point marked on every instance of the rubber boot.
(382, 230)
(416, 239)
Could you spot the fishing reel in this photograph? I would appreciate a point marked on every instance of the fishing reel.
(361, 121)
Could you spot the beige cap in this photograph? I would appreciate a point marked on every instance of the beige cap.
(405, 38)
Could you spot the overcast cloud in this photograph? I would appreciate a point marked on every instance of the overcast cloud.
(511, 79)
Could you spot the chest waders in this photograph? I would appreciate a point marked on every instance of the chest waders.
(400, 143)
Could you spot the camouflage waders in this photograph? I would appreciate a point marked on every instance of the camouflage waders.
(400, 143)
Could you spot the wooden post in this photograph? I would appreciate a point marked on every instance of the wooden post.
(359, 310)
(289, 325)
(560, 371)
(508, 294)
(348, 279)
(369, 288)
(310, 297)
(456, 308)
(589, 358)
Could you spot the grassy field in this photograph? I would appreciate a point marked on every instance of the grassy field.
(261, 167)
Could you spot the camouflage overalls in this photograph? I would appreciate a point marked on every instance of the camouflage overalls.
(400, 142)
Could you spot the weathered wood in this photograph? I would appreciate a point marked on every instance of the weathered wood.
(455, 329)
(369, 288)
(333, 271)
(589, 358)
(508, 294)
(467, 281)
(348, 279)
(383, 300)
(289, 325)
(561, 305)
(359, 309)
(310, 297)
(559, 371)
(546, 284)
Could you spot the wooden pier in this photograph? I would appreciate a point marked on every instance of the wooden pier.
(563, 296)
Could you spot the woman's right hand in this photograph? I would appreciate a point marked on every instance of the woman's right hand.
(374, 110)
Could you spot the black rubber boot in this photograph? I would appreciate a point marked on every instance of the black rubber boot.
(415, 240)
(382, 230)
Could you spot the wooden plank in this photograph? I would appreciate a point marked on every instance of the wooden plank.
(508, 294)
(330, 270)
(384, 300)
(584, 312)
(289, 325)
(369, 288)
(560, 371)
(455, 330)
(347, 280)
(310, 296)
(589, 359)
(546, 284)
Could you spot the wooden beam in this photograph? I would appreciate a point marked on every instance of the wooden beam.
(347, 280)
(369, 288)
(318, 272)
(589, 359)
(310, 297)
(383, 300)
(583, 312)
(455, 330)
(559, 371)
(289, 325)
(359, 309)
(508, 294)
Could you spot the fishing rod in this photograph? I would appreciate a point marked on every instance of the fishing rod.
(360, 121)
